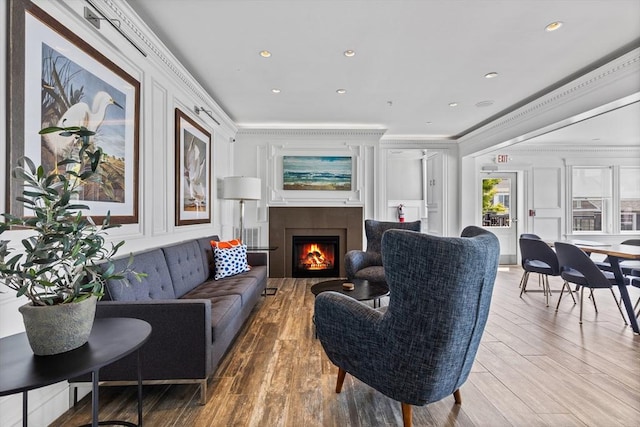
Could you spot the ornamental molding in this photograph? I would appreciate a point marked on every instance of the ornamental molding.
(156, 49)
(613, 80)
(368, 133)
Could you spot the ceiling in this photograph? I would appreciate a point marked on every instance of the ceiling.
(412, 58)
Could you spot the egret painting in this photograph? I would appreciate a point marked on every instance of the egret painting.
(72, 96)
(55, 78)
(193, 171)
(316, 173)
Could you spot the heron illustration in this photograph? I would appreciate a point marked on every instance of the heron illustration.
(195, 168)
(79, 114)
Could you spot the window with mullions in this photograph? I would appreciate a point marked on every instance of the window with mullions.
(591, 198)
(629, 198)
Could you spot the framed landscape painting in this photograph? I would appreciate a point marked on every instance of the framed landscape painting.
(57, 79)
(332, 173)
(193, 172)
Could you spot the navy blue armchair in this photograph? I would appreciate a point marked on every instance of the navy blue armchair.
(368, 264)
(421, 347)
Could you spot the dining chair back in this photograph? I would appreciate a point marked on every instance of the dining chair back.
(529, 236)
(537, 257)
(578, 268)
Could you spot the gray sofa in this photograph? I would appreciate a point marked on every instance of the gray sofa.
(194, 318)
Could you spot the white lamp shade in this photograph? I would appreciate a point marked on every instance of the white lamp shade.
(242, 188)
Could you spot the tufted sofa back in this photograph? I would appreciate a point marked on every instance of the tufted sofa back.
(185, 265)
(171, 272)
(157, 284)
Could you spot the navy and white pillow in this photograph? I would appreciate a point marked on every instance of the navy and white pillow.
(230, 261)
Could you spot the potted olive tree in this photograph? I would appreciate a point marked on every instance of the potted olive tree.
(63, 266)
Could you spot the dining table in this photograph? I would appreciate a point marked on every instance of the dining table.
(616, 253)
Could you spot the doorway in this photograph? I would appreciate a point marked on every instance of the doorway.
(500, 213)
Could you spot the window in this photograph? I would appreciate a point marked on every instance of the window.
(495, 202)
(629, 198)
(591, 198)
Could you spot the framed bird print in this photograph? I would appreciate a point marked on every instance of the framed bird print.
(58, 79)
(193, 172)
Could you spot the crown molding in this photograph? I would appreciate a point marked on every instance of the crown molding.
(367, 133)
(614, 80)
(605, 151)
(159, 52)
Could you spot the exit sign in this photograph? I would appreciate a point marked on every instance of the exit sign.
(502, 158)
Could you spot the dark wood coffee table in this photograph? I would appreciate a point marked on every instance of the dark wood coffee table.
(364, 290)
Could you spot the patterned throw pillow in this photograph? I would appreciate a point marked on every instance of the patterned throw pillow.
(226, 244)
(230, 261)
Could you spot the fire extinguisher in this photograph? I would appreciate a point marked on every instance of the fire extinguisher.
(401, 212)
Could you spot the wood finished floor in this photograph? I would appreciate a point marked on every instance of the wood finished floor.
(535, 367)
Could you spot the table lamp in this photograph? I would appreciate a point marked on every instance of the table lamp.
(241, 188)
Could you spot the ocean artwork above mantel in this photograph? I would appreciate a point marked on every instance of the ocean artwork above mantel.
(332, 173)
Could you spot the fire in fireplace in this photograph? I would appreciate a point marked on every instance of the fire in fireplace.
(315, 256)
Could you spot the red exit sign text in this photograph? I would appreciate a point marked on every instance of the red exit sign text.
(502, 158)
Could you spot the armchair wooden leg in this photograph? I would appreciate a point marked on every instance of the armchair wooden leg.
(341, 374)
(457, 397)
(406, 415)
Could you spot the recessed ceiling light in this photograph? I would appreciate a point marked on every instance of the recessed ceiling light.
(349, 53)
(491, 75)
(275, 90)
(341, 91)
(486, 103)
(265, 53)
(553, 26)
(429, 123)
(453, 104)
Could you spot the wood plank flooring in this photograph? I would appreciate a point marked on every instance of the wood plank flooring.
(535, 367)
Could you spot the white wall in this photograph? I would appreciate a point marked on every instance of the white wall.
(609, 86)
(545, 187)
(379, 182)
(164, 85)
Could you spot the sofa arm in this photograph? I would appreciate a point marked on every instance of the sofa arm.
(356, 260)
(179, 346)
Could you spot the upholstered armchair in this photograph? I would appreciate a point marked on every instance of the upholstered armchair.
(368, 264)
(421, 347)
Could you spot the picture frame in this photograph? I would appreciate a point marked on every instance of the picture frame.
(317, 173)
(55, 78)
(193, 171)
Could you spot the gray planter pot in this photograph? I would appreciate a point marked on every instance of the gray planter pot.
(58, 328)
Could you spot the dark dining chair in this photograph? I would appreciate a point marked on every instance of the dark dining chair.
(578, 268)
(538, 257)
(529, 236)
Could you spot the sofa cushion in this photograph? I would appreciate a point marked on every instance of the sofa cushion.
(156, 285)
(241, 285)
(186, 266)
(230, 261)
(224, 308)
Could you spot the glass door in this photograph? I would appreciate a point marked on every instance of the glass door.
(499, 213)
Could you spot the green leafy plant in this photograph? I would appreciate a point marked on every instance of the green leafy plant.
(64, 260)
(489, 189)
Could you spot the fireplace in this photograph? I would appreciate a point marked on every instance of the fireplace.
(318, 221)
(315, 256)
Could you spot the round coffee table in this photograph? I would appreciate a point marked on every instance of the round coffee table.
(364, 290)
